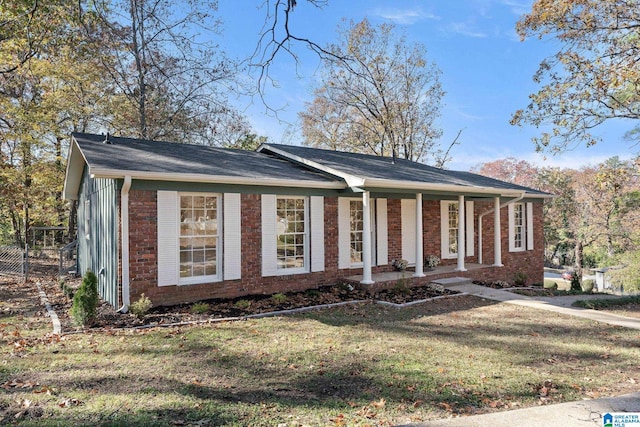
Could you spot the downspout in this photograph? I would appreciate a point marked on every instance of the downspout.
(505, 204)
(124, 220)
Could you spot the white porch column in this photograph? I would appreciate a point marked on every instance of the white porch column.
(497, 232)
(419, 246)
(461, 234)
(366, 239)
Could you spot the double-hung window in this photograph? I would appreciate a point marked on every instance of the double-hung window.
(356, 226)
(199, 237)
(520, 227)
(292, 234)
(450, 223)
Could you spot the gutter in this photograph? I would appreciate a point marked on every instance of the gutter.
(505, 204)
(124, 219)
(214, 179)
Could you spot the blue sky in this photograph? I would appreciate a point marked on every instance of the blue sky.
(486, 72)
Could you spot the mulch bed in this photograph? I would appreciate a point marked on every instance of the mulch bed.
(231, 308)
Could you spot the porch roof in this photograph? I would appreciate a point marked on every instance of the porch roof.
(380, 172)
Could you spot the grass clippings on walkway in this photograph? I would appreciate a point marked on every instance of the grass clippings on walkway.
(354, 365)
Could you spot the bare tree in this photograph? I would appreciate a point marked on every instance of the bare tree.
(169, 77)
(377, 95)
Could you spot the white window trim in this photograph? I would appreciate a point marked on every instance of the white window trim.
(444, 229)
(212, 278)
(379, 232)
(527, 227)
(307, 247)
(359, 264)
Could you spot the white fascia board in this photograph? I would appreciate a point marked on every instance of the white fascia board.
(73, 173)
(426, 186)
(351, 180)
(213, 179)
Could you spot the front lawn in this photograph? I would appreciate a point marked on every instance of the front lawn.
(354, 365)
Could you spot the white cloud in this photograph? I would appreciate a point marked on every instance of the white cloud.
(464, 29)
(518, 7)
(404, 16)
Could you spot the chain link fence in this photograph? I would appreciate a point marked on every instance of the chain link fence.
(13, 261)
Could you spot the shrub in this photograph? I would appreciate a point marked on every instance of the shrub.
(587, 285)
(312, 293)
(401, 288)
(279, 298)
(243, 303)
(200, 308)
(85, 301)
(141, 307)
(627, 277)
(520, 279)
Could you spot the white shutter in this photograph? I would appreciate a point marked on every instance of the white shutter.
(344, 233)
(529, 226)
(168, 223)
(469, 228)
(269, 237)
(316, 217)
(232, 252)
(382, 236)
(512, 231)
(408, 224)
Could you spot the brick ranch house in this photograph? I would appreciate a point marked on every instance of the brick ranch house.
(182, 223)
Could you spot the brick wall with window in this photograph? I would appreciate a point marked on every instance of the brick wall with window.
(144, 251)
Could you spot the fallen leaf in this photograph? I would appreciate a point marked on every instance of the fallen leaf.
(379, 404)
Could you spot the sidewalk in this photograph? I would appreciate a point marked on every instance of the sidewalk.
(583, 413)
(555, 304)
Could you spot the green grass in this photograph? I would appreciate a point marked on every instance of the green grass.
(353, 365)
(601, 304)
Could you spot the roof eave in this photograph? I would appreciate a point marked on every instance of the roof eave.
(73, 173)
(214, 179)
(453, 188)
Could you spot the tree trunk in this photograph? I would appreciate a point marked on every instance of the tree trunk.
(579, 249)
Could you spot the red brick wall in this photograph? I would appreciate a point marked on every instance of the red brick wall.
(143, 251)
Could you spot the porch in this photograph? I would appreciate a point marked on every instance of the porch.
(390, 279)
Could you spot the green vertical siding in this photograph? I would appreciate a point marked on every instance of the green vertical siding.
(99, 251)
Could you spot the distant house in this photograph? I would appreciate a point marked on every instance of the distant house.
(182, 223)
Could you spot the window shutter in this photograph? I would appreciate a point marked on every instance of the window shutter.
(344, 234)
(316, 218)
(444, 229)
(382, 236)
(468, 211)
(511, 228)
(232, 238)
(269, 237)
(408, 214)
(529, 226)
(168, 223)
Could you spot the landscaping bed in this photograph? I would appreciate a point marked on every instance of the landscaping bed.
(240, 307)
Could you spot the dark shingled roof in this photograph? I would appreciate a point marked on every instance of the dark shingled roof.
(380, 167)
(136, 155)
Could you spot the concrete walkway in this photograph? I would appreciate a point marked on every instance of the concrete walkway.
(583, 413)
(556, 304)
